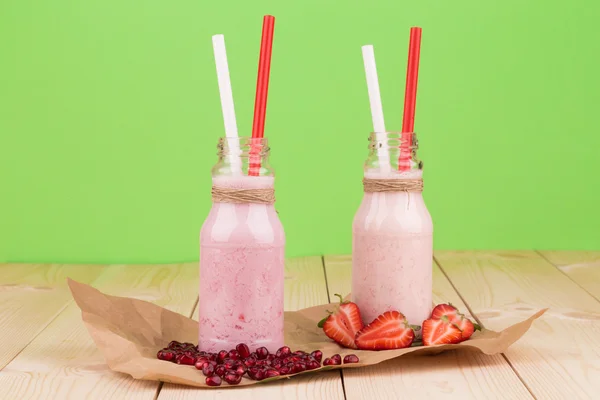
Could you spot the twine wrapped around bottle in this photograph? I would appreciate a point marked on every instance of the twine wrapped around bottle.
(392, 185)
(243, 196)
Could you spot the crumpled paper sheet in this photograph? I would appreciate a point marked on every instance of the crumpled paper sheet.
(129, 332)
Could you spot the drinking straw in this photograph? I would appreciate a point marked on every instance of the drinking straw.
(262, 88)
(262, 82)
(376, 107)
(410, 97)
(231, 131)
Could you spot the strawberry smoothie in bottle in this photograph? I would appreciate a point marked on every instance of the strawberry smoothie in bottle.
(392, 240)
(241, 255)
(392, 232)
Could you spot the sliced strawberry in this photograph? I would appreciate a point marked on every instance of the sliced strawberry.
(463, 323)
(389, 331)
(343, 324)
(440, 331)
(444, 309)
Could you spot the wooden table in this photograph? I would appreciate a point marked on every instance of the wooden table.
(46, 352)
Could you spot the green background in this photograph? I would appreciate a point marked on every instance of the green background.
(110, 113)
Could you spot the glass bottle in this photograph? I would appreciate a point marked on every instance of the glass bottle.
(242, 245)
(392, 233)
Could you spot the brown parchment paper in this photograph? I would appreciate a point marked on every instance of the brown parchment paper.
(129, 332)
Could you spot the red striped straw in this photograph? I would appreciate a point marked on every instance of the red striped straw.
(262, 89)
(410, 98)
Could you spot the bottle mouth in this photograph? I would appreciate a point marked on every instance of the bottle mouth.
(405, 140)
(244, 146)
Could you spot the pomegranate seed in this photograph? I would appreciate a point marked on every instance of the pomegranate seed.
(328, 361)
(256, 373)
(337, 359)
(241, 370)
(229, 363)
(277, 363)
(220, 370)
(222, 356)
(190, 353)
(350, 359)
(262, 353)
(208, 369)
(234, 355)
(285, 370)
(233, 378)
(299, 367)
(214, 380)
(271, 373)
(165, 355)
(212, 357)
(312, 365)
(294, 359)
(299, 353)
(243, 350)
(250, 362)
(174, 344)
(283, 352)
(317, 355)
(186, 360)
(200, 364)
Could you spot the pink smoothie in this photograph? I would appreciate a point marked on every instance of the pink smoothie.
(392, 254)
(241, 272)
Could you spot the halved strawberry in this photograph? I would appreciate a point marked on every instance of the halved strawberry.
(343, 324)
(440, 331)
(463, 323)
(390, 330)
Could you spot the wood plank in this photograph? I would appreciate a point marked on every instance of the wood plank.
(581, 266)
(31, 296)
(304, 287)
(456, 374)
(63, 362)
(559, 358)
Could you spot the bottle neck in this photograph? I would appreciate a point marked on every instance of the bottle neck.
(393, 154)
(243, 156)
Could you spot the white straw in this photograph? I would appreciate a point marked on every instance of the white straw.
(224, 80)
(376, 107)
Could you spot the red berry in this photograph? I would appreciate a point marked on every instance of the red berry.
(186, 360)
(200, 363)
(299, 367)
(317, 355)
(250, 362)
(312, 365)
(222, 356)
(343, 324)
(241, 370)
(337, 359)
(220, 370)
(208, 369)
(388, 331)
(350, 359)
(271, 373)
(243, 350)
(285, 370)
(262, 353)
(283, 352)
(165, 355)
(234, 355)
(214, 380)
(233, 378)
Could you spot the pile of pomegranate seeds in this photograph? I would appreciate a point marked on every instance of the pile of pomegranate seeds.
(230, 366)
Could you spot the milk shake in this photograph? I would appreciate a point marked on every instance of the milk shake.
(392, 244)
(241, 265)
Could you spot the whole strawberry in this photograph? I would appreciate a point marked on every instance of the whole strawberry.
(343, 323)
